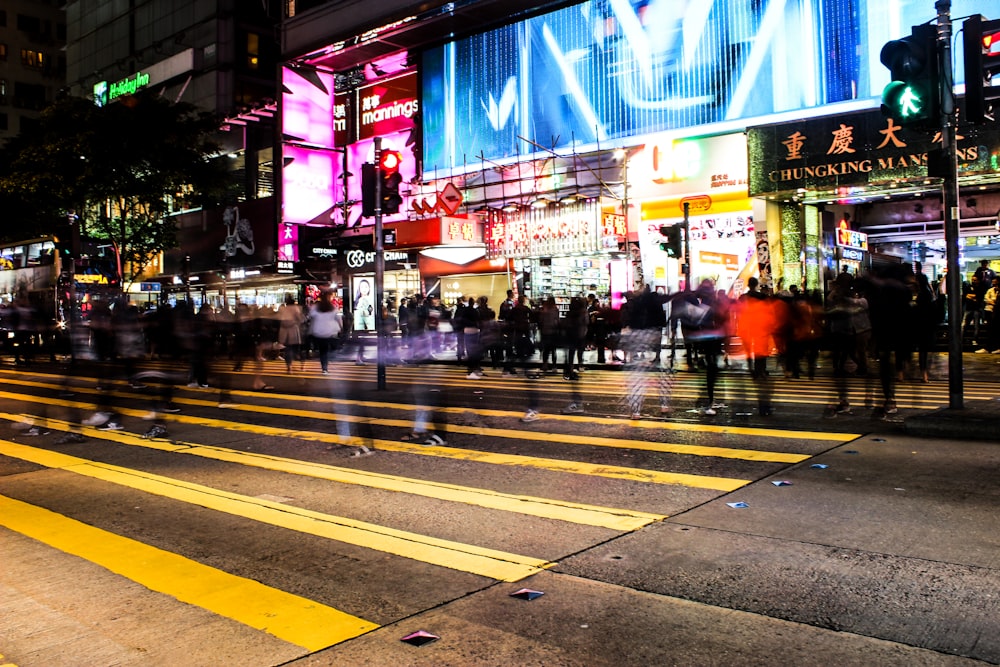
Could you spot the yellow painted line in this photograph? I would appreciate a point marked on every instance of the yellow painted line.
(292, 618)
(491, 563)
(519, 434)
(580, 513)
(555, 465)
(408, 407)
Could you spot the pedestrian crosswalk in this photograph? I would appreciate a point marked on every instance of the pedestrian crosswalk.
(498, 503)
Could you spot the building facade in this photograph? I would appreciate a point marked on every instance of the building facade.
(639, 110)
(221, 57)
(32, 60)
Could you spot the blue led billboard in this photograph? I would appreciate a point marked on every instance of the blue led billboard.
(602, 71)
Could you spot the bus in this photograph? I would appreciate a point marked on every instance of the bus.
(39, 274)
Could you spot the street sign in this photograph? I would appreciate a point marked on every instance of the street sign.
(149, 287)
(450, 198)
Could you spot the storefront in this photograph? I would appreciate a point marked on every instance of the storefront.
(859, 190)
(563, 251)
(226, 256)
(709, 176)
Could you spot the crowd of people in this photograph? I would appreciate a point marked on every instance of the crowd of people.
(880, 319)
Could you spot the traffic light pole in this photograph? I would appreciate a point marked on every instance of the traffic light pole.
(953, 281)
(379, 271)
(687, 246)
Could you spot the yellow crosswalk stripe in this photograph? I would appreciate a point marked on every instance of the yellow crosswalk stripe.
(522, 434)
(493, 458)
(581, 513)
(499, 565)
(556, 465)
(292, 618)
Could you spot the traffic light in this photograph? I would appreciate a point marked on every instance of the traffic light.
(913, 97)
(391, 180)
(368, 180)
(672, 240)
(982, 63)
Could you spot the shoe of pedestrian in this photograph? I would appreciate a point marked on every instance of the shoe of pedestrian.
(573, 409)
(982, 350)
(434, 440)
(97, 419)
(34, 430)
(192, 385)
(474, 376)
(710, 411)
(414, 437)
(636, 415)
(24, 424)
(890, 408)
(172, 409)
(843, 409)
(71, 437)
(325, 372)
(530, 416)
(150, 416)
(224, 404)
(110, 426)
(155, 431)
(137, 385)
(996, 351)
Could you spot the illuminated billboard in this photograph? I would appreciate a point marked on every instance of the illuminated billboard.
(602, 72)
(323, 133)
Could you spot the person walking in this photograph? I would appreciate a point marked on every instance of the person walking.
(709, 338)
(548, 330)
(290, 319)
(325, 324)
(641, 339)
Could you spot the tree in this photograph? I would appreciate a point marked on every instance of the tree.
(122, 167)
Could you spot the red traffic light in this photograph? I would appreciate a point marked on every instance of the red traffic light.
(389, 162)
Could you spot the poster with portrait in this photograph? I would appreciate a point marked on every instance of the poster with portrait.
(764, 259)
(363, 302)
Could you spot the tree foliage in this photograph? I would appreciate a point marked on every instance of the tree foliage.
(122, 168)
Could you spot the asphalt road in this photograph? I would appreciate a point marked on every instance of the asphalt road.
(297, 526)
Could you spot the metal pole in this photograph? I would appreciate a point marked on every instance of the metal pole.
(687, 247)
(951, 211)
(379, 268)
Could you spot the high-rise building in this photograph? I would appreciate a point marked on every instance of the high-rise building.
(32, 60)
(219, 56)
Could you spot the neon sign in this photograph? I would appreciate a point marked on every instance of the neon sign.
(848, 238)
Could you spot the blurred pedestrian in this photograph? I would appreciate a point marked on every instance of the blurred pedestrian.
(290, 319)
(325, 326)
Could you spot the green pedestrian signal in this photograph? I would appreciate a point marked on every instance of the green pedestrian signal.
(913, 95)
(672, 243)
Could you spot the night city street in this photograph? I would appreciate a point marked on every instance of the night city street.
(250, 535)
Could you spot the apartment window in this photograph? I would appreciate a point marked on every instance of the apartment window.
(32, 59)
(3, 52)
(3, 88)
(3, 122)
(253, 51)
(3, 18)
(29, 24)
